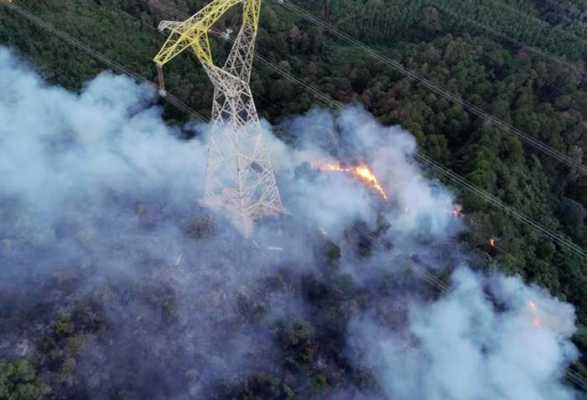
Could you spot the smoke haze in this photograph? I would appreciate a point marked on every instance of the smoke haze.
(100, 224)
(462, 347)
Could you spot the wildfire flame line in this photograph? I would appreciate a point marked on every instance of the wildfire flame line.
(361, 171)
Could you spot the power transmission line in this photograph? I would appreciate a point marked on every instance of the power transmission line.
(477, 111)
(170, 98)
(452, 176)
(428, 276)
(484, 195)
(459, 180)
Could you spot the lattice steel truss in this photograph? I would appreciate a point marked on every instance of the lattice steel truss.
(240, 179)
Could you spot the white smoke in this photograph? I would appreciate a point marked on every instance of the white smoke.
(334, 202)
(86, 162)
(463, 347)
(56, 144)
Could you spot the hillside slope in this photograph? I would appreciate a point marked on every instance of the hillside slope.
(481, 57)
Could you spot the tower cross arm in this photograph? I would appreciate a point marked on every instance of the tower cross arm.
(193, 32)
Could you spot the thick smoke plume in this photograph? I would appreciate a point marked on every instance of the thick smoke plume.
(462, 347)
(99, 205)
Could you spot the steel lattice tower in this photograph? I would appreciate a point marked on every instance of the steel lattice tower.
(240, 179)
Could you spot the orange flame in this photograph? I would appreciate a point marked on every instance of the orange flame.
(366, 175)
(536, 320)
(361, 171)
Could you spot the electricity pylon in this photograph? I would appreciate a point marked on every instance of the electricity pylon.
(240, 179)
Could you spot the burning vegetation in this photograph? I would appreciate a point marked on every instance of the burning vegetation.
(361, 172)
(534, 310)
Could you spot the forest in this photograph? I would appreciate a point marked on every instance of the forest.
(521, 61)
